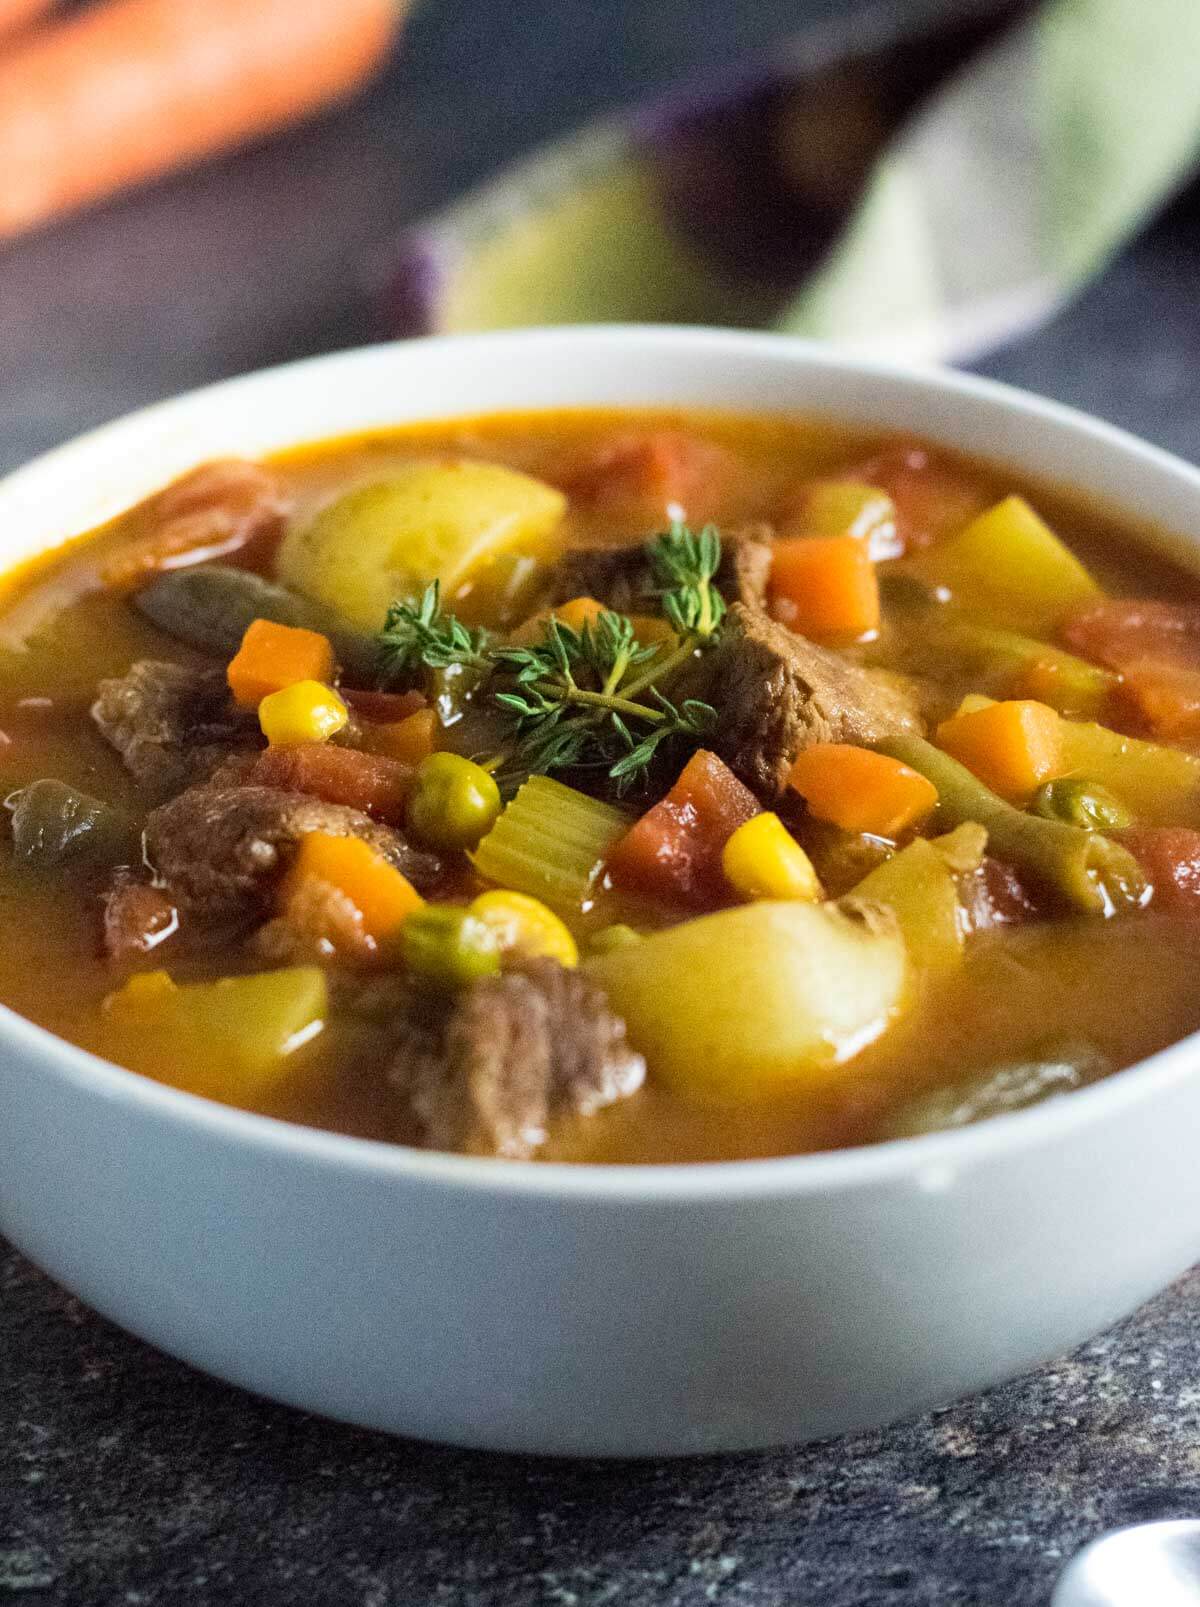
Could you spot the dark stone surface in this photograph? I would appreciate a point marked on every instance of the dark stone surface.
(125, 1478)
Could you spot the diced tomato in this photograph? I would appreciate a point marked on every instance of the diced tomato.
(1170, 857)
(1126, 629)
(933, 498)
(223, 507)
(368, 781)
(383, 707)
(642, 481)
(1156, 647)
(673, 852)
(994, 895)
(1165, 698)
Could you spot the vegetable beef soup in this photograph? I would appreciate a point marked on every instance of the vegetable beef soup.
(606, 786)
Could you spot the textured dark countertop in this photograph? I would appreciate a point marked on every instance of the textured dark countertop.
(127, 1479)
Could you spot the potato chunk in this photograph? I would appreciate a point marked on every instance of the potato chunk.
(750, 1002)
(387, 539)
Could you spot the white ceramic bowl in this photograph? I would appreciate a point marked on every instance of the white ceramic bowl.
(605, 1310)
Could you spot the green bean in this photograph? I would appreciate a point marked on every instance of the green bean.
(1085, 804)
(211, 605)
(1081, 688)
(1090, 872)
(53, 825)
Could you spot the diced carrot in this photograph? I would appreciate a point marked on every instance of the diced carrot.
(576, 613)
(385, 707)
(274, 656)
(1170, 857)
(409, 740)
(861, 790)
(109, 95)
(15, 14)
(673, 852)
(1165, 697)
(826, 585)
(381, 894)
(1012, 746)
(369, 781)
(643, 481)
(651, 628)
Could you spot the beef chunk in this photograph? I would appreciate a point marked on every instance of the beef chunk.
(172, 725)
(621, 577)
(746, 565)
(137, 917)
(218, 850)
(487, 1071)
(779, 693)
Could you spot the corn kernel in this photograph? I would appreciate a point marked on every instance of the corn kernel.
(307, 711)
(524, 926)
(763, 860)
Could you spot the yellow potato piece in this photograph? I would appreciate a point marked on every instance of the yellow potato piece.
(749, 1003)
(388, 539)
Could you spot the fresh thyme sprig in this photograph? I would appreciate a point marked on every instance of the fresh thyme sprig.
(684, 566)
(416, 634)
(570, 707)
(578, 699)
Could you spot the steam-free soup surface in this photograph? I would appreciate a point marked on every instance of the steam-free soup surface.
(989, 968)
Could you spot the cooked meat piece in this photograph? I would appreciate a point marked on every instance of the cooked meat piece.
(746, 564)
(137, 917)
(172, 725)
(218, 851)
(621, 578)
(488, 1071)
(618, 577)
(779, 693)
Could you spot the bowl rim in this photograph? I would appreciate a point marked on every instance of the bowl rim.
(928, 1163)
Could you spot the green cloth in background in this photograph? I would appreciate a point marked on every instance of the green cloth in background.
(993, 200)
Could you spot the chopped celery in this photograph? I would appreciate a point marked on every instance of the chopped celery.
(755, 1001)
(551, 842)
(228, 1040)
(1009, 565)
(917, 885)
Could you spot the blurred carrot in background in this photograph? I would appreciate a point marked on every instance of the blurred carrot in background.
(14, 12)
(129, 89)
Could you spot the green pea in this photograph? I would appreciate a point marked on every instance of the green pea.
(447, 946)
(454, 802)
(609, 938)
(1086, 804)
